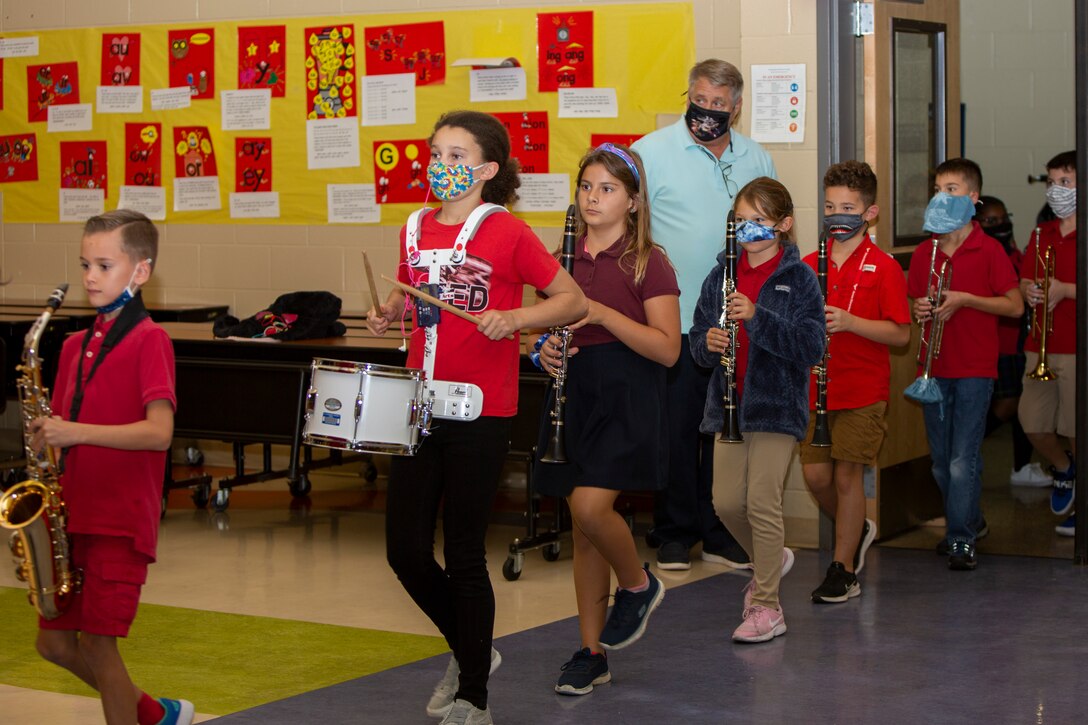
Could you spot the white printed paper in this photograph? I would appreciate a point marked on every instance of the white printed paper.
(588, 103)
(197, 193)
(73, 117)
(151, 200)
(255, 205)
(388, 100)
(496, 84)
(79, 205)
(543, 192)
(509, 62)
(169, 99)
(120, 99)
(778, 103)
(245, 110)
(19, 47)
(353, 204)
(332, 143)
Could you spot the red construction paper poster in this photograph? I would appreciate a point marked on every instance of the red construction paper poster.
(418, 48)
(83, 165)
(262, 58)
(192, 61)
(55, 84)
(528, 139)
(564, 49)
(18, 158)
(400, 171)
(193, 152)
(1, 84)
(143, 154)
(253, 164)
(620, 139)
(330, 72)
(120, 59)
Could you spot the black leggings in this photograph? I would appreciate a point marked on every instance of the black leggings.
(458, 465)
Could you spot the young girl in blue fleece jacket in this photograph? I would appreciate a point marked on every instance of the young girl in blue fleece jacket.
(780, 336)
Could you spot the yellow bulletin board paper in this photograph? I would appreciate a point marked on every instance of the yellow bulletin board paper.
(643, 51)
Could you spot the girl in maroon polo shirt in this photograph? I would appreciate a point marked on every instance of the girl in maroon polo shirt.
(615, 395)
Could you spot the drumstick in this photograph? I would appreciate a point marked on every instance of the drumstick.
(437, 302)
(373, 286)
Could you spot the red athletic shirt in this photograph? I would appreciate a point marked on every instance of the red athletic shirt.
(979, 266)
(1062, 339)
(749, 282)
(871, 285)
(504, 256)
(109, 491)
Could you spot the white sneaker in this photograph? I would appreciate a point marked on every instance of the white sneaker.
(442, 698)
(1031, 475)
(463, 712)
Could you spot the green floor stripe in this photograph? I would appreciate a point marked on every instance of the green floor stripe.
(221, 662)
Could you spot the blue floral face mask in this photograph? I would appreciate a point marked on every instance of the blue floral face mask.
(946, 213)
(748, 232)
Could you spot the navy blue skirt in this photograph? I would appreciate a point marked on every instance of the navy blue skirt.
(615, 427)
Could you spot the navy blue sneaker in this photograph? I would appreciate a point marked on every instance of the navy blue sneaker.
(961, 556)
(630, 613)
(584, 670)
(178, 712)
(1067, 527)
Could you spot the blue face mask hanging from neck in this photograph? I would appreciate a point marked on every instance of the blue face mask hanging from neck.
(124, 298)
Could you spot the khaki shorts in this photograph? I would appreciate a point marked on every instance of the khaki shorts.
(856, 435)
(1050, 407)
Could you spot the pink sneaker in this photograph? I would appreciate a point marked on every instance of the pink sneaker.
(760, 624)
(750, 587)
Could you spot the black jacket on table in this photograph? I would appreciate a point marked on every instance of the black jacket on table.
(786, 338)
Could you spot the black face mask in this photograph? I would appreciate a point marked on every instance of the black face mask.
(1001, 232)
(706, 125)
(841, 227)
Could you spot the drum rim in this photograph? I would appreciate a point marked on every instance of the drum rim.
(374, 369)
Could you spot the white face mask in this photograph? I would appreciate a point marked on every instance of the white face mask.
(1062, 200)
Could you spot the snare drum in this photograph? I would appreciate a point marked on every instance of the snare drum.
(363, 407)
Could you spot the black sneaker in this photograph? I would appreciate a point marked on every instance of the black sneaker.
(839, 585)
(630, 613)
(583, 672)
(983, 530)
(673, 556)
(868, 534)
(734, 558)
(961, 556)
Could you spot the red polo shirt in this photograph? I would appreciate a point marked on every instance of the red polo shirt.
(749, 282)
(1062, 339)
(1008, 328)
(871, 285)
(980, 266)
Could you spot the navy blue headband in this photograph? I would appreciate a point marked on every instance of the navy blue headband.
(617, 151)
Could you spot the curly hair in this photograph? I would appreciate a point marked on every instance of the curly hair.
(856, 176)
(494, 142)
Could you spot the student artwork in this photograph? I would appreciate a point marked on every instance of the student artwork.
(83, 165)
(120, 59)
(620, 139)
(330, 72)
(191, 55)
(55, 84)
(262, 58)
(400, 171)
(564, 49)
(528, 139)
(253, 164)
(1, 84)
(143, 154)
(418, 48)
(18, 158)
(193, 152)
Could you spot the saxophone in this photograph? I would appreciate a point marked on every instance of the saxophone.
(34, 509)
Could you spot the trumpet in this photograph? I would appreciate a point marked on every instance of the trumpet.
(821, 433)
(1042, 316)
(731, 428)
(556, 451)
(931, 342)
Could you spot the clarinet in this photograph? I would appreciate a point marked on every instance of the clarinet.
(821, 435)
(556, 451)
(731, 428)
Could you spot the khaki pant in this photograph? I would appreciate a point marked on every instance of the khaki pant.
(749, 479)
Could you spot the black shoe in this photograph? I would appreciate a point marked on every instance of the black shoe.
(983, 530)
(673, 556)
(735, 558)
(839, 585)
(961, 556)
(582, 672)
(630, 613)
(868, 534)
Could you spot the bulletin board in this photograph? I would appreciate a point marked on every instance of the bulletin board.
(642, 51)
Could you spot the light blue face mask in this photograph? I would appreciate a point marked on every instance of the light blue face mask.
(122, 299)
(946, 213)
(748, 232)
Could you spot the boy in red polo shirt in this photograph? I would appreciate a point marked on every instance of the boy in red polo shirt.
(115, 398)
(866, 311)
(1048, 407)
(983, 287)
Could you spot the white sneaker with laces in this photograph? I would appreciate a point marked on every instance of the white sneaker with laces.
(442, 698)
(1032, 475)
(463, 712)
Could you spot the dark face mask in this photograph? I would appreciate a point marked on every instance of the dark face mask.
(841, 227)
(1001, 232)
(706, 125)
